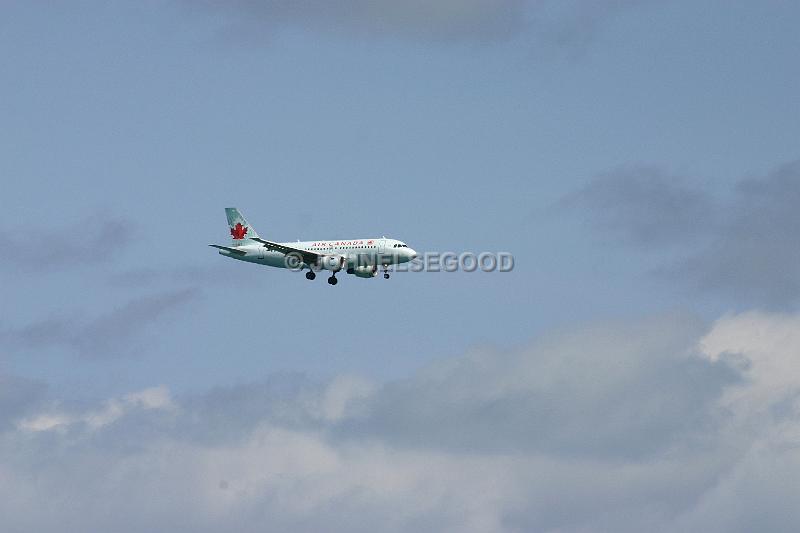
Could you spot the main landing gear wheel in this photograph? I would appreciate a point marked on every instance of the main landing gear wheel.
(332, 280)
(385, 272)
(385, 275)
(310, 275)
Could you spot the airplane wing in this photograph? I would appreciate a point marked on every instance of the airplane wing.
(308, 256)
(229, 249)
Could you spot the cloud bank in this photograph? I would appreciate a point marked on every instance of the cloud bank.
(660, 425)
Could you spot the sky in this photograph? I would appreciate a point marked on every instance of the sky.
(637, 370)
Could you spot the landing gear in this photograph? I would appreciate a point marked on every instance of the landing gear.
(385, 272)
(310, 275)
(332, 280)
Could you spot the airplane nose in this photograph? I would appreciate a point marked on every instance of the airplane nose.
(412, 253)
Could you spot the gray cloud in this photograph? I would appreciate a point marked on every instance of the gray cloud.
(711, 446)
(744, 248)
(444, 20)
(593, 393)
(18, 397)
(95, 240)
(108, 335)
(754, 255)
(644, 206)
(573, 22)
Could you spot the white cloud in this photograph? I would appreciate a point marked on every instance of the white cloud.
(113, 410)
(698, 451)
(341, 394)
(770, 342)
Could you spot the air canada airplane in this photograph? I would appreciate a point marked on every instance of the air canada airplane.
(360, 257)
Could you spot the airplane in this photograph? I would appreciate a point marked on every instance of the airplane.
(360, 257)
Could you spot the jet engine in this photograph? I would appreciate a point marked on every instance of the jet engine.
(332, 262)
(364, 271)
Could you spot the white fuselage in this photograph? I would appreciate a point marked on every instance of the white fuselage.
(356, 253)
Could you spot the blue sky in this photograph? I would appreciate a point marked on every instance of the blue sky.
(638, 159)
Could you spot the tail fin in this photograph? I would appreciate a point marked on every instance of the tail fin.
(241, 231)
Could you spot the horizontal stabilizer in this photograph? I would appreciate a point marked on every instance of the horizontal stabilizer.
(229, 249)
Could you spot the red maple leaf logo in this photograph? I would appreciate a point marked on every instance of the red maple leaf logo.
(369, 242)
(238, 231)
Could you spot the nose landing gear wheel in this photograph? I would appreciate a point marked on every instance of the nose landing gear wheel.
(385, 271)
(385, 275)
(332, 280)
(310, 275)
